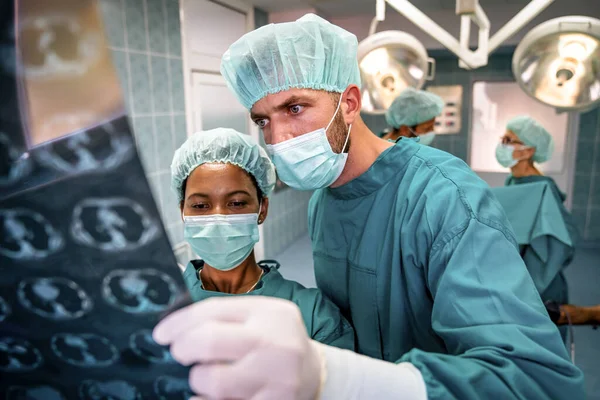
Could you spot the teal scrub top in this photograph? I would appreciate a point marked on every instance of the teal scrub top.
(324, 321)
(420, 257)
(546, 267)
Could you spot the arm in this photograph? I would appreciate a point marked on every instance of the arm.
(500, 341)
(329, 325)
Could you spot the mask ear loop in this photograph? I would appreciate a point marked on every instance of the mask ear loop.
(260, 203)
(331, 122)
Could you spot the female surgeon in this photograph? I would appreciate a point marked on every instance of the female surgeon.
(223, 179)
(525, 143)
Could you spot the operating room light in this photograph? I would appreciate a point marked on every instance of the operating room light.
(557, 63)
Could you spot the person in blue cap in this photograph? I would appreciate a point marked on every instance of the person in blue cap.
(412, 115)
(406, 239)
(223, 180)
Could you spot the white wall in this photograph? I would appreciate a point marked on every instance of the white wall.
(447, 19)
(292, 15)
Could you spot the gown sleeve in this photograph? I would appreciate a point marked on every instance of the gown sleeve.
(500, 342)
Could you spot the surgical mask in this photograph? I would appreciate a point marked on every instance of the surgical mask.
(222, 241)
(307, 162)
(504, 155)
(427, 138)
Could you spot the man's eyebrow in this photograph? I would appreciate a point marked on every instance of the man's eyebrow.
(287, 103)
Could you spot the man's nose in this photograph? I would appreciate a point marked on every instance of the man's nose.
(279, 132)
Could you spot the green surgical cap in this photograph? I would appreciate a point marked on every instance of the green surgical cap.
(533, 135)
(413, 107)
(309, 53)
(222, 145)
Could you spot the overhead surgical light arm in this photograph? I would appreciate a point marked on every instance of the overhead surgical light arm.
(470, 10)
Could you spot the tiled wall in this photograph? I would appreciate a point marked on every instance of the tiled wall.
(145, 41)
(586, 195)
(287, 219)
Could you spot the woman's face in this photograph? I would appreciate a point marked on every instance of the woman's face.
(217, 188)
(521, 152)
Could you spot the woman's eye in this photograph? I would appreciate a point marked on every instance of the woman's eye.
(200, 206)
(295, 109)
(237, 203)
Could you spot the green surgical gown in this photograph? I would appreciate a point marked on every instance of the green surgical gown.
(420, 257)
(324, 321)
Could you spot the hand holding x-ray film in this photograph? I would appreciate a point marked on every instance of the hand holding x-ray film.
(244, 348)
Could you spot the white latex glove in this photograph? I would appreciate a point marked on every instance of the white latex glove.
(248, 347)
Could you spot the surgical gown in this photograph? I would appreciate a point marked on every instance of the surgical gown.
(324, 321)
(420, 258)
(562, 255)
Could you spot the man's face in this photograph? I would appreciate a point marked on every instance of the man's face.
(295, 112)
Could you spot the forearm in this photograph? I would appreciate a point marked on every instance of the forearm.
(355, 377)
(576, 315)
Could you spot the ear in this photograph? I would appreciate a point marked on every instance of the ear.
(264, 210)
(529, 153)
(351, 104)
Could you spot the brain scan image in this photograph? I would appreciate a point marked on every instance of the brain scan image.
(4, 309)
(33, 393)
(145, 347)
(112, 224)
(27, 235)
(169, 388)
(57, 45)
(13, 165)
(84, 350)
(109, 390)
(139, 291)
(18, 355)
(101, 149)
(54, 298)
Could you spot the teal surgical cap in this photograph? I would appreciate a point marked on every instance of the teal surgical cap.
(534, 135)
(222, 145)
(309, 53)
(413, 107)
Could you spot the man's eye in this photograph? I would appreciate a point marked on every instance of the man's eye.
(237, 203)
(199, 205)
(261, 123)
(295, 109)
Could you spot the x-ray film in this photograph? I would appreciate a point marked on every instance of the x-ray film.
(86, 269)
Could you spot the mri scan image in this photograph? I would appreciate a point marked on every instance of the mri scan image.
(103, 148)
(54, 298)
(169, 388)
(112, 224)
(27, 235)
(33, 393)
(139, 291)
(84, 350)
(145, 347)
(18, 355)
(4, 309)
(109, 390)
(13, 165)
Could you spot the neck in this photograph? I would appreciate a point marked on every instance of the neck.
(524, 168)
(365, 147)
(236, 281)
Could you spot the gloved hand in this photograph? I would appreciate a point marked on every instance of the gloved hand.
(244, 348)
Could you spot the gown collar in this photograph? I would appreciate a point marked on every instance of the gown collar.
(389, 163)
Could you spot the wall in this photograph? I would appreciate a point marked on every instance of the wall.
(145, 41)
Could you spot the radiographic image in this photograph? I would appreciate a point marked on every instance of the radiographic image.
(4, 309)
(103, 148)
(84, 350)
(139, 291)
(13, 165)
(18, 355)
(54, 298)
(33, 393)
(27, 235)
(112, 224)
(146, 348)
(108, 390)
(170, 388)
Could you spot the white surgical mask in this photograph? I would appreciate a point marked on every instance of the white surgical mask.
(504, 154)
(307, 162)
(222, 241)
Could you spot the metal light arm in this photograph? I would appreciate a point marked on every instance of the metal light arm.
(469, 59)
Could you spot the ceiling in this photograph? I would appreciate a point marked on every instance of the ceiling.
(346, 8)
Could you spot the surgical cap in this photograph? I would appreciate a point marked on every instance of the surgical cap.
(413, 107)
(309, 53)
(222, 145)
(534, 135)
